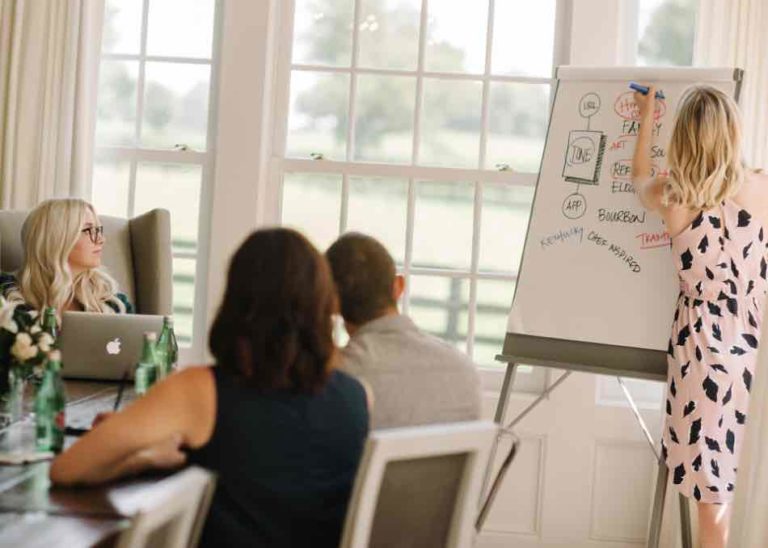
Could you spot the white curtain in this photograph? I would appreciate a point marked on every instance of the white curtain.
(49, 59)
(735, 33)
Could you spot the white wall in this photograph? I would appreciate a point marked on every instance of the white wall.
(604, 32)
(243, 132)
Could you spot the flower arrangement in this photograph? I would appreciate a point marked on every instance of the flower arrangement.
(23, 344)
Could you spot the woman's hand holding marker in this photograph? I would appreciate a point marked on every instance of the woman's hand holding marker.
(646, 102)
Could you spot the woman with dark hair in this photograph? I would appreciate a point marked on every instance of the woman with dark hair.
(281, 427)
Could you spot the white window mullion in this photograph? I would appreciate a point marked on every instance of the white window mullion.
(478, 209)
(458, 76)
(344, 209)
(351, 111)
(282, 99)
(139, 106)
(370, 169)
(419, 84)
(184, 255)
(150, 155)
(156, 58)
(407, 262)
(411, 208)
(351, 117)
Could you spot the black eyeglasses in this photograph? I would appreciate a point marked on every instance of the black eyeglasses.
(95, 233)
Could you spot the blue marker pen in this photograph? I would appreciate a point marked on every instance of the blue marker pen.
(644, 90)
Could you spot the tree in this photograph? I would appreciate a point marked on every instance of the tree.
(385, 104)
(668, 39)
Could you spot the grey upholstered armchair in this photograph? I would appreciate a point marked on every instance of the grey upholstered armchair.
(137, 255)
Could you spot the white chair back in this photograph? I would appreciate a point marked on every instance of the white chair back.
(167, 514)
(419, 486)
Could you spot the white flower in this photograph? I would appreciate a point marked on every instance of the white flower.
(23, 349)
(45, 342)
(33, 314)
(35, 329)
(11, 327)
(6, 315)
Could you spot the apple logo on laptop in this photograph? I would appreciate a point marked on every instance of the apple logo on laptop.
(113, 346)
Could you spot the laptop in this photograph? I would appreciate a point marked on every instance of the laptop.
(103, 346)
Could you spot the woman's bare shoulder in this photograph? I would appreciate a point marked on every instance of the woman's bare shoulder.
(198, 375)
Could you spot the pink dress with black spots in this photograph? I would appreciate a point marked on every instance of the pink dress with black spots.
(721, 261)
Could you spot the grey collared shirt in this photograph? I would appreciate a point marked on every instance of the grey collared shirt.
(416, 378)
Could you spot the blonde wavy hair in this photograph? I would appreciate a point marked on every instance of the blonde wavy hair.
(705, 150)
(49, 234)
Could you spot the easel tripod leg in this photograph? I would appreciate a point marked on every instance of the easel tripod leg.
(685, 522)
(657, 512)
(501, 409)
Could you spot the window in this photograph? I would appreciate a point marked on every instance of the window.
(152, 129)
(666, 30)
(421, 123)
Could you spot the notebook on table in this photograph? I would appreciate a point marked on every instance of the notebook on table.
(103, 346)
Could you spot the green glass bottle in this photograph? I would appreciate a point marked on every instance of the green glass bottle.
(50, 324)
(50, 403)
(146, 370)
(167, 348)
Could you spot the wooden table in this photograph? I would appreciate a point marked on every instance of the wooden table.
(33, 513)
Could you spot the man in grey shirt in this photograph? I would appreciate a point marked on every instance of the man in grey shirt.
(416, 378)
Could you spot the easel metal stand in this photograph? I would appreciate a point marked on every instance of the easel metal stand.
(629, 369)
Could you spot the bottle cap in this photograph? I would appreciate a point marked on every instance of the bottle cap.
(150, 336)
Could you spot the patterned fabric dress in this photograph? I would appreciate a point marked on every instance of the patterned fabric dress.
(721, 261)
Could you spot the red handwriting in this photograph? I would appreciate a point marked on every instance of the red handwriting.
(626, 107)
(622, 169)
(622, 143)
(651, 240)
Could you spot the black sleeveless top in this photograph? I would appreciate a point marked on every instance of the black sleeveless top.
(285, 463)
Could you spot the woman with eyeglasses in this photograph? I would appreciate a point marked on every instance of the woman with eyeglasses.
(63, 241)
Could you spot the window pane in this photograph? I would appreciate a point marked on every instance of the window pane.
(109, 191)
(317, 122)
(175, 105)
(122, 26)
(517, 125)
(666, 29)
(523, 37)
(504, 224)
(494, 299)
(175, 187)
(312, 204)
(183, 298)
(439, 306)
(450, 132)
(378, 208)
(116, 114)
(456, 36)
(442, 232)
(389, 33)
(180, 28)
(323, 32)
(384, 111)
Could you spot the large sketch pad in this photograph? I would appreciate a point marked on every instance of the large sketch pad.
(596, 267)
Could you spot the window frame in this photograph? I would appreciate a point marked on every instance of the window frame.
(134, 154)
(281, 165)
